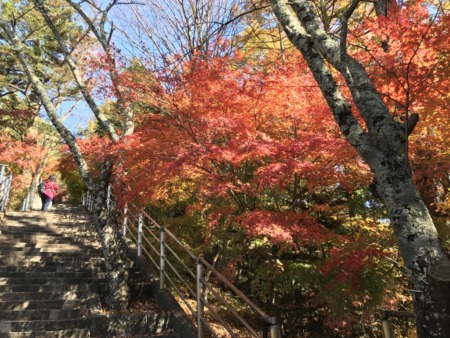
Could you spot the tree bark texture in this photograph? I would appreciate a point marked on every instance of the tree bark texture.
(115, 258)
(436, 304)
(382, 147)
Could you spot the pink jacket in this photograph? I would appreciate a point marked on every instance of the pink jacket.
(51, 189)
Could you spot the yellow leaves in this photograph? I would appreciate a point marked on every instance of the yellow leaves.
(444, 207)
(6, 9)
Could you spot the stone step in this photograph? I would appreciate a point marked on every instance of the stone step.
(46, 258)
(44, 233)
(43, 314)
(10, 240)
(54, 268)
(49, 295)
(34, 275)
(42, 276)
(48, 288)
(98, 273)
(42, 304)
(56, 230)
(74, 333)
(18, 233)
(36, 238)
(53, 282)
(59, 248)
(51, 252)
(48, 281)
(80, 333)
(51, 259)
(62, 256)
(8, 326)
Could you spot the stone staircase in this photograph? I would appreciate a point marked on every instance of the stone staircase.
(51, 271)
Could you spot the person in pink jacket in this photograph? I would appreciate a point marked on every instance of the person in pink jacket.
(51, 189)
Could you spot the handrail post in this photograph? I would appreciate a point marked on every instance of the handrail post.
(25, 204)
(275, 330)
(388, 328)
(124, 224)
(108, 198)
(28, 200)
(91, 202)
(139, 243)
(162, 257)
(2, 172)
(6, 191)
(200, 306)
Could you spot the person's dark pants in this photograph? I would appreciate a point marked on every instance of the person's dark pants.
(46, 201)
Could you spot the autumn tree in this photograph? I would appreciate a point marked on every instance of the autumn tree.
(19, 148)
(241, 153)
(55, 20)
(381, 141)
(409, 79)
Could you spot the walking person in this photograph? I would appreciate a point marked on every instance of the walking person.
(49, 192)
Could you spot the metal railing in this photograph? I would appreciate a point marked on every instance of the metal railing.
(5, 187)
(207, 295)
(26, 201)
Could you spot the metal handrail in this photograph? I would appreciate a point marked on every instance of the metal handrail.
(185, 274)
(5, 187)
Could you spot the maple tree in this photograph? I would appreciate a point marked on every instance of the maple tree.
(22, 148)
(236, 146)
(407, 72)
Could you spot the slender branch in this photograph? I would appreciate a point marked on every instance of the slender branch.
(344, 31)
(107, 125)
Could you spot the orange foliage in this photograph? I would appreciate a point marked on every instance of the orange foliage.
(233, 133)
(408, 54)
(21, 156)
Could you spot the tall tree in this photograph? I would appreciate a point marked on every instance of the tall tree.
(381, 142)
(167, 32)
(18, 34)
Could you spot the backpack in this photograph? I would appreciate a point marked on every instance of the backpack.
(41, 187)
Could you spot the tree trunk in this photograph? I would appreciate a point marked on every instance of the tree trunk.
(435, 306)
(382, 146)
(118, 292)
(421, 251)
